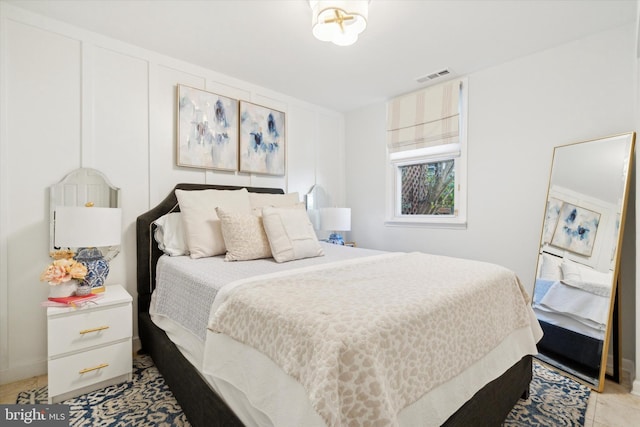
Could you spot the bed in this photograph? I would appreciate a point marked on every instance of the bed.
(206, 403)
(572, 303)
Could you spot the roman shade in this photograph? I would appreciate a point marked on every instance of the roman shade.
(425, 118)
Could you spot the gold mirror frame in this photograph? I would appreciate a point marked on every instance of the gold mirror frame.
(579, 254)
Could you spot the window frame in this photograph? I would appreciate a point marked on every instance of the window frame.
(456, 152)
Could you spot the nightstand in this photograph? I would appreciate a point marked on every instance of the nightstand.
(90, 347)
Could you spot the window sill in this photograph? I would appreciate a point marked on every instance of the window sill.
(410, 222)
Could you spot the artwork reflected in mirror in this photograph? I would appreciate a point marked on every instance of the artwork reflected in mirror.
(578, 258)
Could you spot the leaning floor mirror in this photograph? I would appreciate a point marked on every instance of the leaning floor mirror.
(579, 254)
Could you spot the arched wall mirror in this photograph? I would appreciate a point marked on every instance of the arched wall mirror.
(315, 199)
(579, 254)
(83, 187)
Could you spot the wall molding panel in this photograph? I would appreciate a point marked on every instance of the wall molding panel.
(80, 99)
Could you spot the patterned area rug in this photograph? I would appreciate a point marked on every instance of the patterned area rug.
(146, 401)
(554, 400)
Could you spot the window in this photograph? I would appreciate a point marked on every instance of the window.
(426, 145)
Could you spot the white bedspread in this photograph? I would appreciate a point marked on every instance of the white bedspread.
(368, 337)
(187, 287)
(253, 385)
(585, 307)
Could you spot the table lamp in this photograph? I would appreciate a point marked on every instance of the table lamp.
(334, 220)
(88, 228)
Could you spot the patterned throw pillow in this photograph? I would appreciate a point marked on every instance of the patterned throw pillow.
(244, 236)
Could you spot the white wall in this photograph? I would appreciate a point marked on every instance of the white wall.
(70, 99)
(518, 111)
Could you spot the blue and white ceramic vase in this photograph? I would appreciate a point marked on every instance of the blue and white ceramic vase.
(97, 267)
(336, 239)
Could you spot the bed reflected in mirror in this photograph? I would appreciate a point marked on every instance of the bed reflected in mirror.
(578, 258)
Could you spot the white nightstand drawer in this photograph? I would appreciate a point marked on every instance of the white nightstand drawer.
(90, 367)
(88, 328)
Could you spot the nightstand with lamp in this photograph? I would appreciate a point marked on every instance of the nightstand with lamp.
(89, 346)
(335, 220)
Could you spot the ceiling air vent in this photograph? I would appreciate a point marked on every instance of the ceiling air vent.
(433, 76)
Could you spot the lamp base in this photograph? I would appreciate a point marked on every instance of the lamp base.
(97, 268)
(336, 239)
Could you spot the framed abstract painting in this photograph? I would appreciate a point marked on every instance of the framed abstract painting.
(262, 139)
(551, 219)
(207, 130)
(576, 229)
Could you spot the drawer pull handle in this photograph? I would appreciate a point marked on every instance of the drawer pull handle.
(95, 368)
(98, 329)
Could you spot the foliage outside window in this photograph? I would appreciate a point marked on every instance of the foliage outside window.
(428, 188)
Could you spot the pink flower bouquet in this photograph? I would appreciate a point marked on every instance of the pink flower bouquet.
(62, 270)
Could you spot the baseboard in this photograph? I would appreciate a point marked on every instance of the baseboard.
(635, 389)
(628, 370)
(19, 373)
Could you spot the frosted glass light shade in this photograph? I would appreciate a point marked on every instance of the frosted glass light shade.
(77, 227)
(339, 21)
(335, 219)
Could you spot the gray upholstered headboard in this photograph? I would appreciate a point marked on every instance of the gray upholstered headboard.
(147, 251)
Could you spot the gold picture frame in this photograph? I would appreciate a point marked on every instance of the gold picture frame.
(207, 130)
(262, 139)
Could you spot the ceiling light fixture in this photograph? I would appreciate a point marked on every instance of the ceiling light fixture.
(339, 21)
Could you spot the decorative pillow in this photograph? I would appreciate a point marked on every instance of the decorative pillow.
(290, 233)
(576, 272)
(261, 200)
(571, 271)
(244, 236)
(170, 234)
(550, 268)
(201, 223)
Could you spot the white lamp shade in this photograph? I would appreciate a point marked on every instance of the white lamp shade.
(79, 227)
(335, 219)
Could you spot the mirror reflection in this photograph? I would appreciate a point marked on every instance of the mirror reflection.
(579, 255)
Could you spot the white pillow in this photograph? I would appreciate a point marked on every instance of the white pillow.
(573, 271)
(170, 234)
(261, 200)
(201, 223)
(550, 268)
(584, 277)
(290, 233)
(244, 236)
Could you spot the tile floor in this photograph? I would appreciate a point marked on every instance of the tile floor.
(615, 407)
